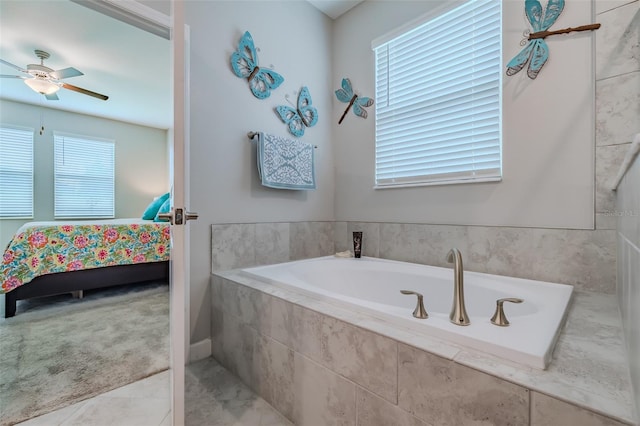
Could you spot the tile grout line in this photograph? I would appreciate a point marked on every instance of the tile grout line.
(355, 394)
(397, 373)
(611, 77)
(616, 8)
(530, 406)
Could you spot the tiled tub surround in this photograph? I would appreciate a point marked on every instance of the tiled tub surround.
(628, 215)
(239, 245)
(374, 286)
(318, 363)
(582, 258)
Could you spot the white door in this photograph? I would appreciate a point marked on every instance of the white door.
(180, 197)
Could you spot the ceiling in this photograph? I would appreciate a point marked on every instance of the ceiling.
(334, 8)
(131, 66)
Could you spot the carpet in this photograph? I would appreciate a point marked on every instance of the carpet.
(55, 354)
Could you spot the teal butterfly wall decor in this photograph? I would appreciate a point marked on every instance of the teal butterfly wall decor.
(346, 95)
(244, 62)
(536, 51)
(301, 117)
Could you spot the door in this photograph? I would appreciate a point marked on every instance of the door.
(180, 197)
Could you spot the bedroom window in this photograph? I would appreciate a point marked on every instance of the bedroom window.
(438, 101)
(16, 172)
(84, 173)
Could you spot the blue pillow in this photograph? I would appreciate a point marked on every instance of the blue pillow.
(152, 209)
(164, 208)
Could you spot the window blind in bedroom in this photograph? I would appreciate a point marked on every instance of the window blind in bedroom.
(16, 172)
(84, 177)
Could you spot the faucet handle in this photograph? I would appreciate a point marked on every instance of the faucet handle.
(499, 318)
(420, 311)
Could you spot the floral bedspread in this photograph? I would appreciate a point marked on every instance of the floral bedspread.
(40, 248)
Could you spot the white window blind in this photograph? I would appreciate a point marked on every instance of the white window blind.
(16, 172)
(84, 177)
(438, 102)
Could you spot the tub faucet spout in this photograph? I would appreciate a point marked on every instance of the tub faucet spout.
(458, 314)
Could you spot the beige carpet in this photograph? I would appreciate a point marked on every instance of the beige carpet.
(55, 354)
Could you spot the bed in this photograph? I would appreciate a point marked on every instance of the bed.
(49, 258)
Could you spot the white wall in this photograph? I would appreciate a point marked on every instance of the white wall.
(548, 141)
(142, 169)
(295, 38)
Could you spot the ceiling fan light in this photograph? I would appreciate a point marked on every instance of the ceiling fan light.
(44, 87)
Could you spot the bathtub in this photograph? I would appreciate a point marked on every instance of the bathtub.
(373, 286)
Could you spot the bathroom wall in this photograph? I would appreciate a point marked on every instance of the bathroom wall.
(617, 96)
(403, 226)
(294, 39)
(547, 130)
(142, 167)
(628, 215)
(585, 258)
(618, 119)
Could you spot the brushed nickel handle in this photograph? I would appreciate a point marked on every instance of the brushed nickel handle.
(190, 216)
(419, 311)
(178, 216)
(166, 216)
(499, 318)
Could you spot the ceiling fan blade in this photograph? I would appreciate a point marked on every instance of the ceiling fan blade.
(13, 66)
(66, 73)
(84, 91)
(11, 76)
(52, 97)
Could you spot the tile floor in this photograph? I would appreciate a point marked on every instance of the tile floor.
(214, 397)
(144, 403)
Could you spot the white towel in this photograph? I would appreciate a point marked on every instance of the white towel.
(285, 163)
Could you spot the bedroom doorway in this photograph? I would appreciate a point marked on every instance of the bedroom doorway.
(41, 113)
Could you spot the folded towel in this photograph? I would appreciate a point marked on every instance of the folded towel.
(285, 163)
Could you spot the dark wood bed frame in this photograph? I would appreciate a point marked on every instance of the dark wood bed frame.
(86, 279)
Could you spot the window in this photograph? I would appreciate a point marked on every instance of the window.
(84, 177)
(438, 103)
(16, 172)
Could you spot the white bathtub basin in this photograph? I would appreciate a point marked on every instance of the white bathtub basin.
(373, 286)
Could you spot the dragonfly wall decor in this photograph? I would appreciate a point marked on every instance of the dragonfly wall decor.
(358, 103)
(536, 51)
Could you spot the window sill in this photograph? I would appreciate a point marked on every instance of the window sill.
(438, 183)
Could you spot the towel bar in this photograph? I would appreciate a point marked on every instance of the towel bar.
(251, 135)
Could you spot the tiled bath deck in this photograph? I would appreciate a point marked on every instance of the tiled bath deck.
(589, 368)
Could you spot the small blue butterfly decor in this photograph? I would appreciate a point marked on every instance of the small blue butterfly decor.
(346, 95)
(536, 51)
(244, 62)
(304, 115)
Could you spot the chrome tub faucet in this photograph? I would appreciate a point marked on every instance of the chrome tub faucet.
(458, 314)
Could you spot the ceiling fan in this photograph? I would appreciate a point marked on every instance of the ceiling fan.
(46, 81)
